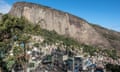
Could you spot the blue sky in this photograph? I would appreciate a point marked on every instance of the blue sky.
(106, 13)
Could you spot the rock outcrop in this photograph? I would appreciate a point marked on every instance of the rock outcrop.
(63, 23)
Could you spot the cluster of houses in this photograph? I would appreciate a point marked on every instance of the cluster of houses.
(62, 59)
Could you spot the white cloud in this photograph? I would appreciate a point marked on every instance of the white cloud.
(4, 7)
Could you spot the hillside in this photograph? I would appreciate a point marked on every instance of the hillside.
(19, 37)
(0, 16)
(112, 36)
(66, 24)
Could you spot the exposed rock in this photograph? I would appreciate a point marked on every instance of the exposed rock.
(63, 23)
(112, 36)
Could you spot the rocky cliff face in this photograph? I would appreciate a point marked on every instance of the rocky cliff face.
(63, 23)
(112, 36)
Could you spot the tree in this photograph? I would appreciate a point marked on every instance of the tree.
(36, 44)
(113, 68)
